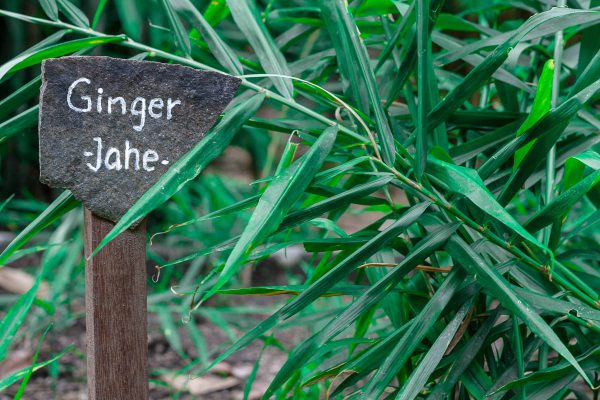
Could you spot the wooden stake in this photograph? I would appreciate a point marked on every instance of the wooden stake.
(115, 302)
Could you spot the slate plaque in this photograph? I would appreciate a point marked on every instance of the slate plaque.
(109, 128)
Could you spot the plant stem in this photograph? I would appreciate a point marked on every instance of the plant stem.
(132, 44)
(551, 160)
(557, 276)
(422, 86)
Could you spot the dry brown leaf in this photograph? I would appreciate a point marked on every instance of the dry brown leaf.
(199, 386)
(16, 281)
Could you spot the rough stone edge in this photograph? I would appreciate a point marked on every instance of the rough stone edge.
(43, 179)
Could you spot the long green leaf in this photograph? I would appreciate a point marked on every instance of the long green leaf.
(327, 281)
(553, 125)
(590, 361)
(354, 59)
(221, 50)
(179, 33)
(50, 8)
(8, 380)
(466, 182)
(430, 361)
(15, 316)
(73, 13)
(33, 364)
(476, 77)
(63, 204)
(248, 19)
(19, 123)
(464, 358)
(98, 13)
(496, 285)
(540, 107)
(281, 194)
(550, 126)
(404, 347)
(28, 59)
(362, 304)
(189, 166)
(575, 166)
(16, 99)
(560, 17)
(423, 69)
(563, 203)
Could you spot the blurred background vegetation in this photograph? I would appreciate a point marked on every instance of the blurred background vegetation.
(488, 115)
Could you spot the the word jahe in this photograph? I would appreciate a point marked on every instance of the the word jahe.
(137, 108)
(112, 160)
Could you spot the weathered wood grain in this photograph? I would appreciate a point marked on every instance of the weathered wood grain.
(116, 318)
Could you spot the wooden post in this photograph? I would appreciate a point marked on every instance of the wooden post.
(115, 301)
(82, 151)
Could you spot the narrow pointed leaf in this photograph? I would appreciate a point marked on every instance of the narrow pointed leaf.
(354, 59)
(496, 285)
(466, 182)
(189, 166)
(221, 50)
(74, 14)
(327, 281)
(63, 204)
(363, 303)
(28, 59)
(248, 19)
(476, 77)
(19, 123)
(179, 33)
(281, 194)
(430, 361)
(404, 348)
(50, 8)
(540, 107)
(563, 203)
(14, 377)
(552, 126)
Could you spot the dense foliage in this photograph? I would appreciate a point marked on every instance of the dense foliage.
(460, 135)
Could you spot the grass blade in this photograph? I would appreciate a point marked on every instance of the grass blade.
(179, 33)
(361, 305)
(466, 182)
(464, 358)
(221, 50)
(247, 18)
(15, 316)
(98, 13)
(274, 204)
(74, 14)
(50, 8)
(327, 281)
(429, 362)
(59, 207)
(553, 126)
(19, 123)
(423, 68)
(562, 204)
(8, 380)
(28, 59)
(189, 166)
(540, 107)
(16, 99)
(26, 377)
(354, 59)
(493, 282)
(413, 336)
(476, 77)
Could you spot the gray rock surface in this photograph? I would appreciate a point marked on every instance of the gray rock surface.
(158, 113)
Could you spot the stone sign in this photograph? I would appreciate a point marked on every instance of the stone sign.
(109, 128)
